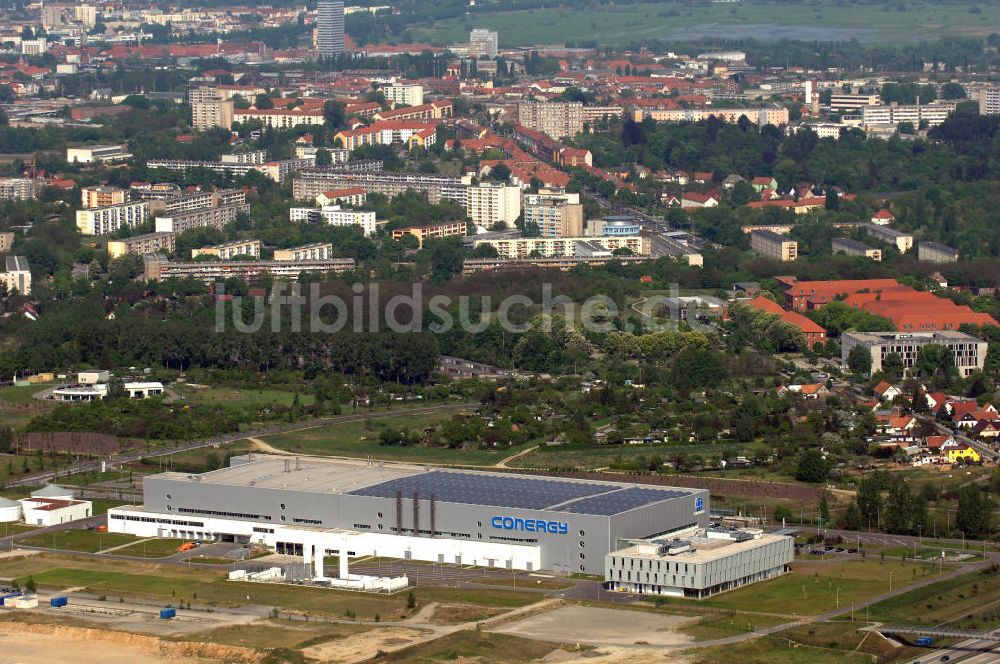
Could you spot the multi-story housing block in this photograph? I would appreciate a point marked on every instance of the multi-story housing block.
(554, 118)
(774, 245)
(557, 214)
(107, 220)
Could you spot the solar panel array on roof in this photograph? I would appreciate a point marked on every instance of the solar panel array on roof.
(619, 501)
(519, 492)
(476, 489)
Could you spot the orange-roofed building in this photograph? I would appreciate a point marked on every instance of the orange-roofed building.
(804, 295)
(813, 332)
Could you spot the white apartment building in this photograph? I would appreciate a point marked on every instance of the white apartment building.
(491, 203)
(566, 247)
(12, 189)
(902, 241)
(335, 216)
(841, 102)
(107, 220)
(409, 94)
(893, 114)
(229, 250)
(483, 43)
(989, 101)
(16, 276)
(280, 118)
(318, 251)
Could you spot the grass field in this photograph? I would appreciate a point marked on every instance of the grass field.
(814, 588)
(845, 636)
(240, 397)
(360, 439)
(174, 584)
(590, 457)
(718, 627)
(153, 548)
(771, 649)
(625, 22)
(87, 541)
(970, 601)
(18, 405)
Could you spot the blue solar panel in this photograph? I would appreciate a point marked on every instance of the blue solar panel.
(482, 489)
(619, 501)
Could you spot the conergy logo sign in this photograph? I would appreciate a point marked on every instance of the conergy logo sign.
(699, 504)
(530, 525)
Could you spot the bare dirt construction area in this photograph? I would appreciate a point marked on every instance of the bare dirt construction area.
(23, 643)
(613, 627)
(361, 647)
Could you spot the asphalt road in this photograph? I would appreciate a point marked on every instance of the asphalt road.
(136, 455)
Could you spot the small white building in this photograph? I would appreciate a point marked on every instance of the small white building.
(52, 505)
(10, 510)
(93, 377)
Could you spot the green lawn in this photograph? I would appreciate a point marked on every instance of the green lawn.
(173, 584)
(602, 456)
(771, 649)
(814, 587)
(360, 439)
(152, 548)
(240, 397)
(718, 627)
(969, 601)
(87, 541)
(624, 22)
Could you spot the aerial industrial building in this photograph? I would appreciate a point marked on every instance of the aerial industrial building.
(319, 507)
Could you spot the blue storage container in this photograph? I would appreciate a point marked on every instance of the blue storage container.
(57, 602)
(11, 596)
(167, 614)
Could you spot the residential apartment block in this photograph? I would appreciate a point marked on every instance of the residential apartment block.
(773, 245)
(522, 247)
(409, 134)
(933, 252)
(17, 189)
(902, 241)
(483, 43)
(771, 115)
(408, 94)
(310, 183)
(215, 217)
(157, 267)
(353, 196)
(557, 214)
(846, 102)
(845, 245)
(557, 119)
(491, 203)
(989, 100)
(102, 196)
(230, 250)
(424, 233)
(968, 352)
(143, 244)
(198, 200)
(107, 220)
(214, 113)
(893, 114)
(280, 118)
(335, 216)
(318, 251)
(16, 277)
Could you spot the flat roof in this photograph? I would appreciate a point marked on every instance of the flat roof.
(702, 550)
(387, 480)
